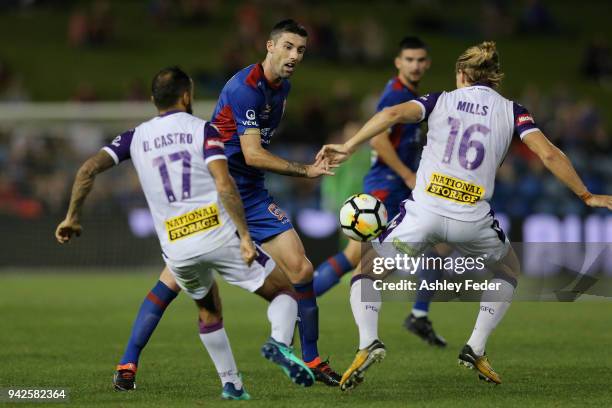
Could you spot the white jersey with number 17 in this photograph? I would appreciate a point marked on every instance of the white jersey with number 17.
(470, 130)
(171, 153)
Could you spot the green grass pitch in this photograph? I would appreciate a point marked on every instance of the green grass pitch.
(69, 330)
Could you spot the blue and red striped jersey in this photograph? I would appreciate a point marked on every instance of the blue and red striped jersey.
(247, 101)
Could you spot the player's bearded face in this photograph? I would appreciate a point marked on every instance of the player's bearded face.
(412, 64)
(287, 52)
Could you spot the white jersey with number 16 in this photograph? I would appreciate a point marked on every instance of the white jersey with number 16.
(470, 130)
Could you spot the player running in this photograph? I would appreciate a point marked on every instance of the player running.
(470, 130)
(200, 223)
(391, 178)
(247, 114)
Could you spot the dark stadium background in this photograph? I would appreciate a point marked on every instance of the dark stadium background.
(557, 57)
(73, 74)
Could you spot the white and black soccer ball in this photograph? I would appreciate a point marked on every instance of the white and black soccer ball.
(363, 217)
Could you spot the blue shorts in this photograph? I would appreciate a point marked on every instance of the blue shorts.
(265, 218)
(391, 193)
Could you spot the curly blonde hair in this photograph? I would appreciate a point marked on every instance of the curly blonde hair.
(480, 64)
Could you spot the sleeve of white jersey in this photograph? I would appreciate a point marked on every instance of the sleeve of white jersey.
(523, 121)
(119, 147)
(427, 103)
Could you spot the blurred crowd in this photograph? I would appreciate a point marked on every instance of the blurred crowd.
(341, 42)
(36, 163)
(577, 126)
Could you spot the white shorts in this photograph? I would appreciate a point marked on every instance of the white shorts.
(415, 229)
(195, 275)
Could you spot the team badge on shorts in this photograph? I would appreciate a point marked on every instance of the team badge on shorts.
(276, 211)
(454, 189)
(198, 220)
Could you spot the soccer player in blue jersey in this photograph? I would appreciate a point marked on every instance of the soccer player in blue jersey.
(391, 178)
(247, 114)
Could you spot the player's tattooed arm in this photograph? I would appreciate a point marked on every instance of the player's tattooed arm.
(255, 155)
(81, 188)
(84, 181)
(230, 198)
(295, 169)
(317, 169)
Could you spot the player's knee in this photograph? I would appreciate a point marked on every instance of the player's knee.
(167, 279)
(510, 265)
(275, 284)
(508, 274)
(172, 285)
(282, 285)
(443, 250)
(302, 271)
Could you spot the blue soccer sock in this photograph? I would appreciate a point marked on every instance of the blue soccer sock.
(151, 311)
(430, 275)
(308, 320)
(328, 274)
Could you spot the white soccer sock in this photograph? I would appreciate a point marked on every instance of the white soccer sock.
(493, 307)
(282, 314)
(365, 311)
(218, 347)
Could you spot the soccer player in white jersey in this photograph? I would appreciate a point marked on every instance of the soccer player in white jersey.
(200, 223)
(470, 130)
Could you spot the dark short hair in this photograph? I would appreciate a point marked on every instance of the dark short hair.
(412, 43)
(288, 26)
(168, 86)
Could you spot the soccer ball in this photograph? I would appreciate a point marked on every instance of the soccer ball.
(363, 217)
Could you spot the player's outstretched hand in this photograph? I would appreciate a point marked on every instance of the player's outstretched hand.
(596, 200)
(248, 250)
(321, 167)
(334, 153)
(66, 230)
